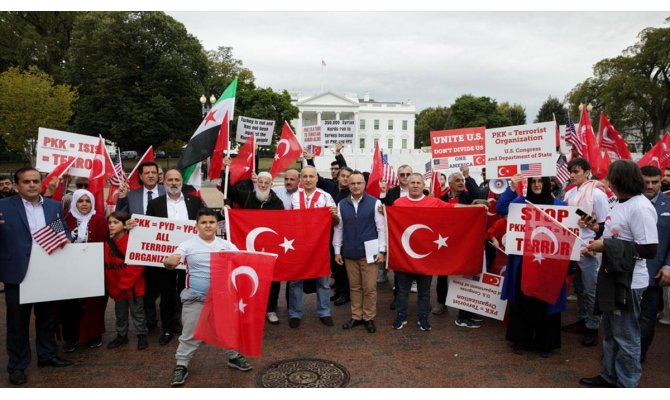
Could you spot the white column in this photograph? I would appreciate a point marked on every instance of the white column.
(337, 115)
(318, 117)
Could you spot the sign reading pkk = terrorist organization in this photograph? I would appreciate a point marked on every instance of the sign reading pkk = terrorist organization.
(334, 131)
(529, 150)
(155, 238)
(58, 147)
(455, 148)
(261, 127)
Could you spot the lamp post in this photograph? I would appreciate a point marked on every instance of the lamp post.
(204, 106)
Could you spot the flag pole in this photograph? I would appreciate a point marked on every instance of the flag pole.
(556, 221)
(227, 220)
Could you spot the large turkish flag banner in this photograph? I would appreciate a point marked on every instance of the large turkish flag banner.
(299, 238)
(233, 315)
(436, 241)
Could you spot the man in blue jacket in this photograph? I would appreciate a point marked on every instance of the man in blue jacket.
(20, 217)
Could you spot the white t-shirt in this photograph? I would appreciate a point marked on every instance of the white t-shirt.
(196, 253)
(634, 220)
(600, 207)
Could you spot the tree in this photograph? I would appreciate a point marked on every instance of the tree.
(430, 119)
(139, 77)
(552, 106)
(515, 112)
(470, 111)
(633, 89)
(30, 99)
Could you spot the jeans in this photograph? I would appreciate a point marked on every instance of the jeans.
(585, 286)
(423, 296)
(322, 298)
(649, 306)
(621, 345)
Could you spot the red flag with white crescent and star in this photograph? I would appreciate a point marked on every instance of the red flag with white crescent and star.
(101, 170)
(243, 165)
(233, 315)
(133, 181)
(436, 241)
(288, 150)
(546, 254)
(299, 237)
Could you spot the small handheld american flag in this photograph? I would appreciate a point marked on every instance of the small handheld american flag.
(52, 236)
(572, 137)
(562, 172)
(389, 173)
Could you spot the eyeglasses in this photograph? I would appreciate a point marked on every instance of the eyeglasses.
(404, 174)
(82, 185)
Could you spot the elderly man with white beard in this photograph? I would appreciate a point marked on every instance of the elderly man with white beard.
(263, 198)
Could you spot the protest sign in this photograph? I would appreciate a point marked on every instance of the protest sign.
(480, 295)
(520, 213)
(58, 147)
(459, 147)
(334, 131)
(155, 238)
(262, 128)
(529, 150)
(75, 271)
(311, 135)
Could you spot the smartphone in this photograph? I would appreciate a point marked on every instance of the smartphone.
(583, 214)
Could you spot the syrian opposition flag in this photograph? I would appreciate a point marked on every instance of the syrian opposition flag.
(101, 170)
(288, 150)
(203, 141)
(300, 238)
(546, 254)
(243, 165)
(436, 241)
(58, 173)
(133, 179)
(233, 316)
(610, 140)
(376, 173)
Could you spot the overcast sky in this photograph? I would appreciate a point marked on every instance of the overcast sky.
(430, 58)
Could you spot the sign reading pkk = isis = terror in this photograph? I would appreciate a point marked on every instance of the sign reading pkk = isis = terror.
(155, 238)
(58, 147)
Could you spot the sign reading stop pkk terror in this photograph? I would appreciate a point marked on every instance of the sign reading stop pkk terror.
(155, 238)
(334, 131)
(457, 148)
(58, 147)
(529, 150)
(262, 128)
(520, 213)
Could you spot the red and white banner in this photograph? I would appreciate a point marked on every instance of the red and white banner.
(233, 316)
(57, 147)
(526, 149)
(436, 241)
(299, 237)
(311, 135)
(479, 294)
(155, 238)
(457, 148)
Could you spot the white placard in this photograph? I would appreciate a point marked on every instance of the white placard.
(261, 127)
(58, 147)
(334, 131)
(155, 238)
(371, 250)
(480, 296)
(516, 221)
(75, 271)
(311, 135)
(526, 149)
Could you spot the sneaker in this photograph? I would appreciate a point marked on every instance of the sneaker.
(118, 341)
(664, 321)
(439, 309)
(423, 324)
(467, 323)
(413, 289)
(142, 342)
(272, 318)
(399, 322)
(95, 343)
(477, 318)
(239, 362)
(69, 347)
(179, 375)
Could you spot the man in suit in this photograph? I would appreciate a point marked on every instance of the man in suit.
(135, 202)
(20, 217)
(653, 295)
(174, 205)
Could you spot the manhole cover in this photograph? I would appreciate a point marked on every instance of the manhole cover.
(303, 373)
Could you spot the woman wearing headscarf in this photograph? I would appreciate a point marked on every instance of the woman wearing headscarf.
(533, 323)
(83, 320)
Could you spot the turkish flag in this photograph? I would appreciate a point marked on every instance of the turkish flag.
(233, 315)
(376, 173)
(222, 143)
(299, 237)
(546, 254)
(58, 173)
(507, 171)
(658, 155)
(314, 149)
(101, 170)
(436, 241)
(592, 153)
(133, 180)
(243, 165)
(288, 150)
(435, 187)
(610, 140)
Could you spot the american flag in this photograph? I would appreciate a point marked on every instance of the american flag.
(389, 173)
(572, 137)
(429, 171)
(562, 173)
(118, 168)
(440, 163)
(529, 170)
(51, 236)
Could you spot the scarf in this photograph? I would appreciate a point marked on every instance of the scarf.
(82, 220)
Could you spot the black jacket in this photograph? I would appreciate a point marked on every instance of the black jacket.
(615, 276)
